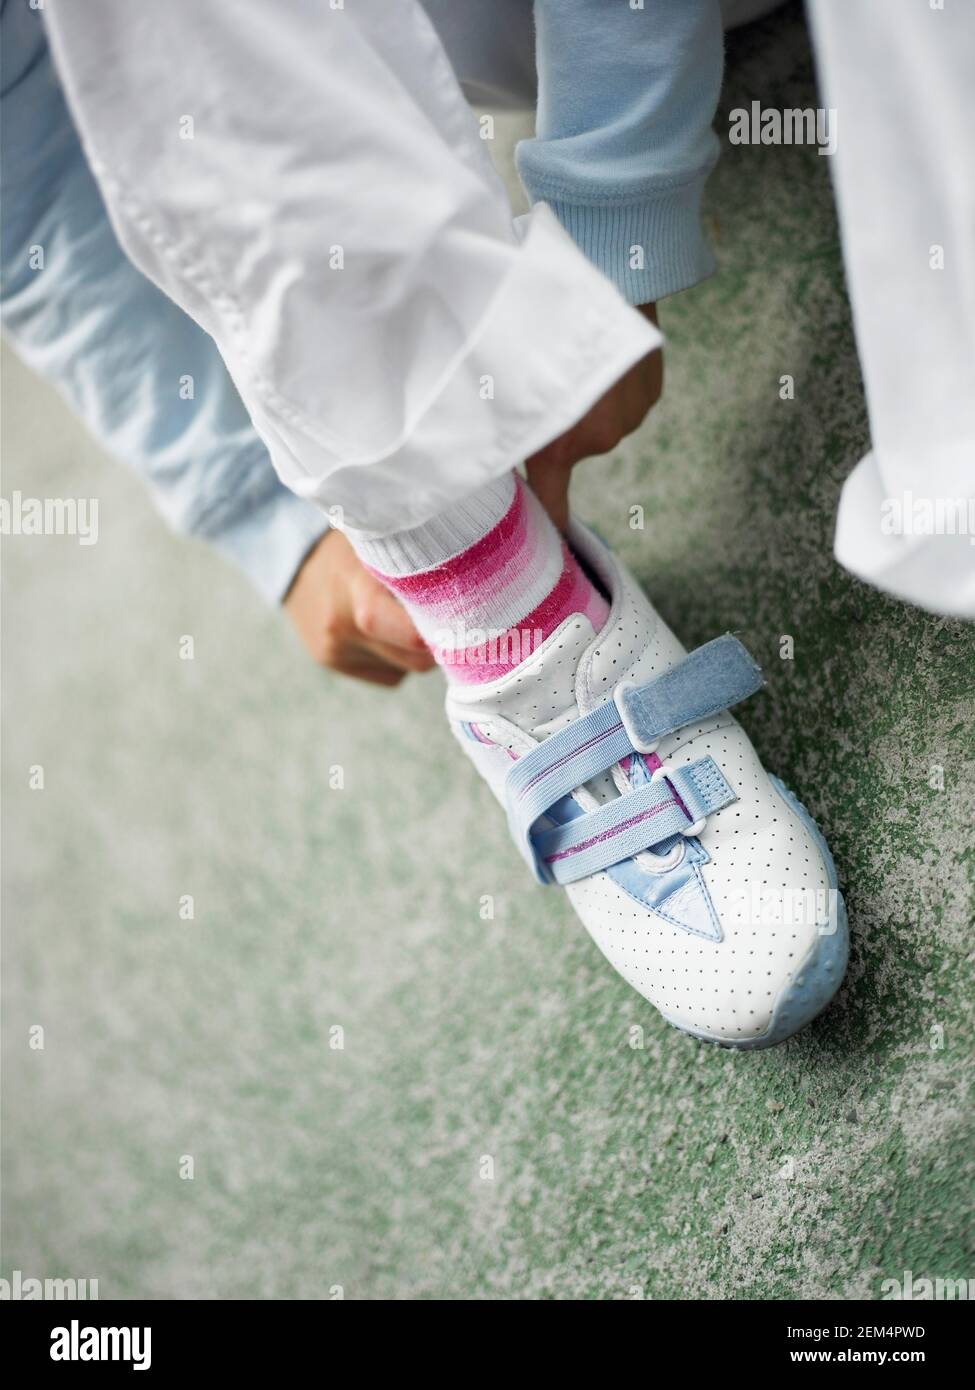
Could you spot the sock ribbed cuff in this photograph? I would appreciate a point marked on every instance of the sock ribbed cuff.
(442, 537)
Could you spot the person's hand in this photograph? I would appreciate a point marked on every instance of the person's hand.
(348, 621)
(612, 418)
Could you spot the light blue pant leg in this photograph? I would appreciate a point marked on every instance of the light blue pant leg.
(148, 382)
(624, 102)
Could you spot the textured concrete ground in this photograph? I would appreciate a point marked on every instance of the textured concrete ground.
(671, 1170)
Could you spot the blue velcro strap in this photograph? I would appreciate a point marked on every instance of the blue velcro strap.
(712, 678)
(559, 765)
(630, 824)
(709, 680)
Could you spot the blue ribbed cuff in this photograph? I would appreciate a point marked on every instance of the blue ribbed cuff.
(649, 248)
(270, 540)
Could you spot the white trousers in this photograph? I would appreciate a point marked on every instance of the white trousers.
(901, 76)
(310, 185)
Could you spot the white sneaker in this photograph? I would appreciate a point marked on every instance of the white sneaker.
(702, 880)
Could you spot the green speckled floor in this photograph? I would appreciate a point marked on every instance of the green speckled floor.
(820, 1168)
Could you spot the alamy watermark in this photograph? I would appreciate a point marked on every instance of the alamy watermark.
(464, 646)
(50, 516)
(916, 1288)
(761, 905)
(766, 125)
(908, 515)
(21, 1287)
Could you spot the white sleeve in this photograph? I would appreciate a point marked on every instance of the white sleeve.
(308, 183)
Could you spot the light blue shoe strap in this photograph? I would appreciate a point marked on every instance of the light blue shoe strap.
(710, 679)
(556, 767)
(707, 681)
(630, 824)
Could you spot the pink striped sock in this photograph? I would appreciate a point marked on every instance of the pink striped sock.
(486, 582)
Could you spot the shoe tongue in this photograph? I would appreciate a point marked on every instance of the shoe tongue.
(555, 685)
(539, 696)
(548, 696)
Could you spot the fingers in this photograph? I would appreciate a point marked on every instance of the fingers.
(549, 481)
(381, 619)
(402, 658)
(349, 622)
(361, 665)
(382, 645)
